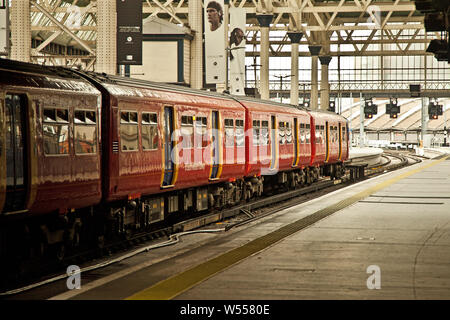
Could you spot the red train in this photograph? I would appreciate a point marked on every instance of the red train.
(85, 153)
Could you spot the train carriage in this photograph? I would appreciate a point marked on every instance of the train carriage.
(330, 147)
(99, 155)
(50, 137)
(278, 144)
(167, 148)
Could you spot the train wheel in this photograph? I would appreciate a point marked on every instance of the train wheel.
(60, 252)
(100, 242)
(76, 238)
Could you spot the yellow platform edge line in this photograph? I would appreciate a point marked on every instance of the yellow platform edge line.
(173, 286)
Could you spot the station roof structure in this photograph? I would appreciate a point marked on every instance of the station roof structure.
(64, 32)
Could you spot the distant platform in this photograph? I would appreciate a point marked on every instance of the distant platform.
(371, 156)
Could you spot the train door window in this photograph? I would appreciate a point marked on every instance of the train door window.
(129, 131)
(56, 131)
(15, 168)
(229, 132)
(302, 133)
(264, 137)
(344, 139)
(149, 127)
(187, 131)
(288, 134)
(85, 128)
(281, 133)
(307, 133)
(317, 134)
(256, 132)
(240, 137)
(200, 139)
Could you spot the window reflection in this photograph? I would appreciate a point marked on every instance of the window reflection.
(56, 131)
(85, 132)
(129, 131)
(149, 131)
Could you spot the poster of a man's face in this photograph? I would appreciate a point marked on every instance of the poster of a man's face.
(215, 15)
(236, 37)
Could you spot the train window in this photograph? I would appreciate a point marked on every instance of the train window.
(56, 131)
(302, 133)
(85, 139)
(318, 135)
(200, 138)
(229, 132)
(62, 115)
(149, 127)
(308, 133)
(240, 137)
(343, 134)
(264, 133)
(256, 131)
(129, 131)
(288, 133)
(91, 117)
(281, 133)
(187, 131)
(79, 117)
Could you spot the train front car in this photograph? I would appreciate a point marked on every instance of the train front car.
(169, 151)
(50, 159)
(278, 149)
(330, 144)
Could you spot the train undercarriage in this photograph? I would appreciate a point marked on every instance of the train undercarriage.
(55, 236)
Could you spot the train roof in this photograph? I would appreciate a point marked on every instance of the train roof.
(107, 79)
(61, 79)
(19, 66)
(23, 74)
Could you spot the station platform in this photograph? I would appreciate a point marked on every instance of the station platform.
(369, 155)
(383, 238)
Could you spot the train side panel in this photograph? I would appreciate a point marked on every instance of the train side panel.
(192, 140)
(51, 158)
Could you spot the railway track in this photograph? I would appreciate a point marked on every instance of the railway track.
(50, 271)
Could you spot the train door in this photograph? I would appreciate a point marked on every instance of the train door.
(327, 142)
(340, 140)
(295, 142)
(273, 126)
(215, 145)
(168, 146)
(15, 150)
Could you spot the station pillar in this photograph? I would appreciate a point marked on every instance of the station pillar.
(314, 50)
(295, 38)
(106, 37)
(264, 21)
(324, 84)
(20, 30)
(196, 24)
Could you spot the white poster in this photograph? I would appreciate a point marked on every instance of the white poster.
(237, 53)
(215, 41)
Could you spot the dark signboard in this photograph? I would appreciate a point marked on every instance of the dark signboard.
(129, 32)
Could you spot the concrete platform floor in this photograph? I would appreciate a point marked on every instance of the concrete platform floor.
(391, 242)
(400, 233)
